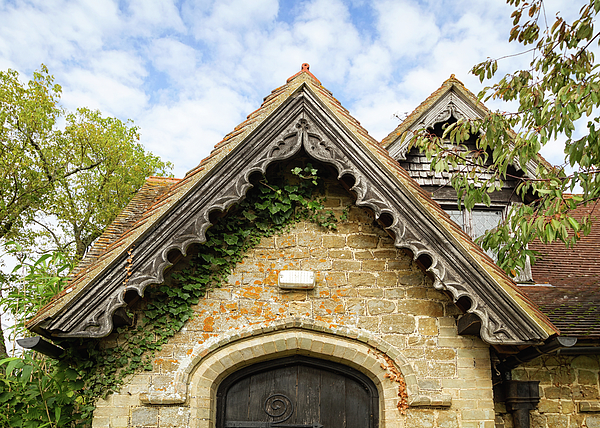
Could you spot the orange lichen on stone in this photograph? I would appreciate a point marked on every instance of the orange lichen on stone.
(208, 324)
(252, 292)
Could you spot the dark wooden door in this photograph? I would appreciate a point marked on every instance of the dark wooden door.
(297, 392)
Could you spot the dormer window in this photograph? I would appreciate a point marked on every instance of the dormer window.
(477, 221)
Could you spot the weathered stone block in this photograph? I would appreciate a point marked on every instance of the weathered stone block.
(400, 264)
(331, 202)
(340, 254)
(397, 323)
(548, 406)
(385, 254)
(587, 377)
(285, 241)
(100, 421)
(335, 279)
(174, 417)
(585, 362)
(538, 421)
(584, 392)
(144, 417)
(477, 414)
(395, 293)
(370, 292)
(565, 376)
(316, 264)
(411, 278)
(443, 369)
(362, 241)
(355, 307)
(378, 307)
(300, 308)
(328, 307)
(440, 354)
(359, 215)
(555, 392)
(421, 307)
(558, 421)
(362, 279)
(592, 421)
(363, 255)
(447, 419)
(266, 242)
(413, 353)
(334, 241)
(344, 292)
(388, 242)
(347, 227)
(346, 265)
(373, 265)
(420, 418)
(309, 239)
(428, 326)
(369, 323)
(432, 384)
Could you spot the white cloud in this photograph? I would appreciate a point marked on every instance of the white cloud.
(405, 28)
(173, 57)
(100, 91)
(150, 16)
(187, 72)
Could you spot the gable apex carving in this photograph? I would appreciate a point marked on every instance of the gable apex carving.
(449, 105)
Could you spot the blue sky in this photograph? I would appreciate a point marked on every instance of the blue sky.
(187, 72)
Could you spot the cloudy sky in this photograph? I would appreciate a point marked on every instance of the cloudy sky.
(188, 71)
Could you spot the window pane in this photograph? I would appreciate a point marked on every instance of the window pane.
(457, 217)
(484, 221)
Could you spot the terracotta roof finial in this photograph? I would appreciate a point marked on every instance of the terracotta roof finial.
(304, 69)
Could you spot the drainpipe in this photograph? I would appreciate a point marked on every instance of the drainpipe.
(523, 396)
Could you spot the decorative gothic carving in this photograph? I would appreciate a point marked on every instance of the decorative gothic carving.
(450, 105)
(302, 122)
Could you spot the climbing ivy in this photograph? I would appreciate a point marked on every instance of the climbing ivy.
(270, 207)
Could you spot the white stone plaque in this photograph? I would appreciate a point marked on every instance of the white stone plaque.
(296, 280)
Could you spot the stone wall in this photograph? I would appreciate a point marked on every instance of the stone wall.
(372, 303)
(569, 392)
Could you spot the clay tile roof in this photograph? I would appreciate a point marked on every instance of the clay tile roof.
(571, 298)
(179, 189)
(112, 237)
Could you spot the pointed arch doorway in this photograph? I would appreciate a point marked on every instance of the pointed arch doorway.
(297, 392)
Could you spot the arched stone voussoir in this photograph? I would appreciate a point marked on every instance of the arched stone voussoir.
(200, 373)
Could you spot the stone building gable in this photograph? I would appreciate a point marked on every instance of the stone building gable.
(307, 120)
(386, 282)
(373, 308)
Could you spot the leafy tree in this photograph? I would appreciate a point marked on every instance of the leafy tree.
(76, 170)
(36, 391)
(556, 96)
(64, 176)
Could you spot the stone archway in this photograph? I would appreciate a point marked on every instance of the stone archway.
(297, 391)
(199, 375)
